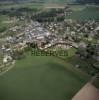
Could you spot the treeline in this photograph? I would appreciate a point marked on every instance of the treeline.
(87, 1)
(2, 29)
(51, 15)
(18, 11)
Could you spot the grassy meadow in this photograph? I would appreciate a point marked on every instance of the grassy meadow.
(87, 13)
(41, 78)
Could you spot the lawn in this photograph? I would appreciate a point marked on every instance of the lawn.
(41, 78)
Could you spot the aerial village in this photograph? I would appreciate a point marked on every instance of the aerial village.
(49, 50)
(60, 34)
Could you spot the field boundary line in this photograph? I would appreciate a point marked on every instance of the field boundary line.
(10, 67)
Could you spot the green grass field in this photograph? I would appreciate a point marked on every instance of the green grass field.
(29, 5)
(58, 1)
(41, 78)
(3, 18)
(87, 13)
(80, 12)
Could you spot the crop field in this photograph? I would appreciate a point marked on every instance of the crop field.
(58, 1)
(2, 18)
(88, 13)
(29, 5)
(80, 12)
(1, 57)
(41, 78)
(77, 7)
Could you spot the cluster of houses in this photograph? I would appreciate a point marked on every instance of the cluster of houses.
(35, 32)
(32, 32)
(79, 32)
(72, 27)
(49, 36)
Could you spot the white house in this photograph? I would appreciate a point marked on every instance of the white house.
(7, 58)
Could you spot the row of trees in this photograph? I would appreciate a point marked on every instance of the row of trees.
(49, 16)
(2, 29)
(19, 53)
(18, 11)
(87, 52)
(87, 1)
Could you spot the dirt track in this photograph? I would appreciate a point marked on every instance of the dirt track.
(88, 92)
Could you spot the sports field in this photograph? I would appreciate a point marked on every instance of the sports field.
(41, 78)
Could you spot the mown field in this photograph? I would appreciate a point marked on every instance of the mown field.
(41, 78)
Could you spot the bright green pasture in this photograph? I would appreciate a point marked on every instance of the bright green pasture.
(41, 78)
